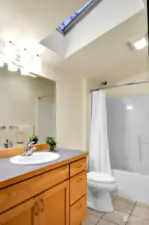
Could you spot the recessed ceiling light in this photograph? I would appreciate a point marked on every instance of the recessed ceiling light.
(129, 107)
(140, 44)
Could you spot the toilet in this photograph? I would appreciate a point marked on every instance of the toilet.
(100, 185)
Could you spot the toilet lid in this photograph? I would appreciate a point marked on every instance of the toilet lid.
(98, 177)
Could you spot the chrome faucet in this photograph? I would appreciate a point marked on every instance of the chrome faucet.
(29, 149)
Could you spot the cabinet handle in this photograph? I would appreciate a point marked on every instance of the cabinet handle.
(36, 209)
(79, 180)
(80, 206)
(41, 205)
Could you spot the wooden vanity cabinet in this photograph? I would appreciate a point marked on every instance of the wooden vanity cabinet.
(24, 214)
(63, 203)
(54, 205)
(51, 207)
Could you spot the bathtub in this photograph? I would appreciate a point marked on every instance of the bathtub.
(132, 186)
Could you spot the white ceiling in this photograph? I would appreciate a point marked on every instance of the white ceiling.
(26, 22)
(109, 57)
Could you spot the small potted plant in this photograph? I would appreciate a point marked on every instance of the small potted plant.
(51, 142)
(34, 139)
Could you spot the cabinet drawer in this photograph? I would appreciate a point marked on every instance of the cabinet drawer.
(78, 187)
(78, 166)
(78, 211)
(20, 192)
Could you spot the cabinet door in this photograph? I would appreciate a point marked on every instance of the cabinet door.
(24, 214)
(78, 211)
(54, 205)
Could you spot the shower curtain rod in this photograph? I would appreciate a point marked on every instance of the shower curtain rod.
(121, 85)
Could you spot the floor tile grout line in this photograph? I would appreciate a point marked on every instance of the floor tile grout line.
(140, 217)
(110, 221)
(97, 216)
(114, 199)
(131, 213)
(121, 211)
(141, 206)
(94, 215)
(98, 221)
(103, 215)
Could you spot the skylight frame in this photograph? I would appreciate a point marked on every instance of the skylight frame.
(79, 17)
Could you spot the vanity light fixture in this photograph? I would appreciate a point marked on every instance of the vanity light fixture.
(20, 59)
(140, 44)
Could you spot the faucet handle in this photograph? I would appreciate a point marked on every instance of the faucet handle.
(29, 144)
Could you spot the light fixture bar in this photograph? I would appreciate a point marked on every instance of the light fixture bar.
(27, 63)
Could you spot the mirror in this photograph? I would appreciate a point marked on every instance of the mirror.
(27, 107)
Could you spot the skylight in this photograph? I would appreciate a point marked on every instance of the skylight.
(75, 18)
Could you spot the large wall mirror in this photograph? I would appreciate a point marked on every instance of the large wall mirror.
(27, 107)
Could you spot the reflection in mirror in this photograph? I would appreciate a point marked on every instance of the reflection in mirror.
(27, 107)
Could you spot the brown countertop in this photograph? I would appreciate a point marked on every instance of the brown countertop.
(11, 174)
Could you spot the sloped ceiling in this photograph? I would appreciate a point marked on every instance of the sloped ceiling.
(27, 22)
(110, 57)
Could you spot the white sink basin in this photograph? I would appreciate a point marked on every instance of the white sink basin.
(35, 158)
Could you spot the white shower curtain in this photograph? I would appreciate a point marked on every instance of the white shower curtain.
(99, 159)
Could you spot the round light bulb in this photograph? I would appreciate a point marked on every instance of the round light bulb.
(9, 52)
(36, 67)
(24, 72)
(1, 60)
(12, 67)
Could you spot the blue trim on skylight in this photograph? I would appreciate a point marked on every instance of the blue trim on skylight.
(72, 17)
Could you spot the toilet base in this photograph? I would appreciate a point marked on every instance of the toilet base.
(100, 202)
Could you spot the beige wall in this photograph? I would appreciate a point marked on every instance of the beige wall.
(69, 113)
(126, 90)
(131, 90)
(70, 109)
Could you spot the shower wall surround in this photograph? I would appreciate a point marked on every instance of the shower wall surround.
(128, 130)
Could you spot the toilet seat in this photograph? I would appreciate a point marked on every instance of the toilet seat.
(102, 178)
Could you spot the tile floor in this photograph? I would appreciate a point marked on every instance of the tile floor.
(126, 212)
